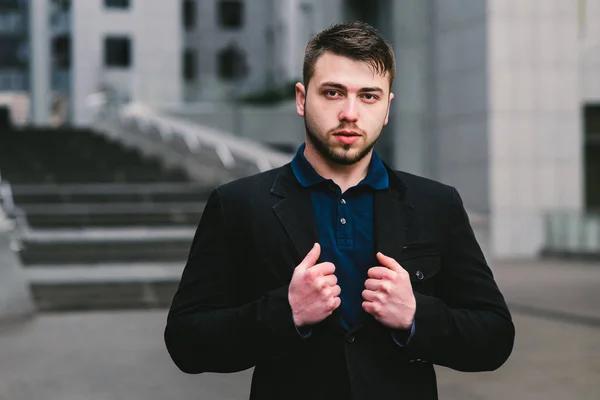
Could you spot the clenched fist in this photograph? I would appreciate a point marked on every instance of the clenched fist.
(388, 294)
(313, 293)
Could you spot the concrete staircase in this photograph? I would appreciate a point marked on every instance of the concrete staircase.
(106, 227)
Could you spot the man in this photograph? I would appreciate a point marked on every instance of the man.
(335, 276)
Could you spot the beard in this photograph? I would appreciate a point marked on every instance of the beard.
(341, 154)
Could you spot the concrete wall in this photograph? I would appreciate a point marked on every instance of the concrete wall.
(155, 30)
(589, 33)
(458, 147)
(534, 110)
(409, 35)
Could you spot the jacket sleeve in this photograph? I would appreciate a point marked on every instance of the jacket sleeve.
(467, 326)
(211, 327)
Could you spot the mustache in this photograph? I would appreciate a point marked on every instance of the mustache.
(346, 127)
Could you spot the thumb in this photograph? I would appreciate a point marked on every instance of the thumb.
(312, 257)
(388, 262)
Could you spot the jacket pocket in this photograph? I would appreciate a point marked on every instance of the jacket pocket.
(423, 269)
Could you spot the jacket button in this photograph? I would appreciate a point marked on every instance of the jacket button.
(420, 275)
(350, 339)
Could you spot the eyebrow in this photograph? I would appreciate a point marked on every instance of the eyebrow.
(344, 88)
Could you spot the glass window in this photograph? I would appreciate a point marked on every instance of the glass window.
(231, 14)
(123, 4)
(189, 65)
(231, 63)
(117, 51)
(189, 14)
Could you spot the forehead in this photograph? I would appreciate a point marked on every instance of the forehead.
(350, 73)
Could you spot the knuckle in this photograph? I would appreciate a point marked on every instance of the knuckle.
(376, 308)
(386, 288)
(331, 304)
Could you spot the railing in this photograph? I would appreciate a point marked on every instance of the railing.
(151, 123)
(12, 218)
(576, 233)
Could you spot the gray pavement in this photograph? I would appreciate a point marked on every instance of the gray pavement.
(121, 355)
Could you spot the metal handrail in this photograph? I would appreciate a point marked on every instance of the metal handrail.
(228, 148)
(16, 215)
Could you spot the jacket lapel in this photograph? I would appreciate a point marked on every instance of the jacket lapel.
(391, 218)
(392, 215)
(295, 212)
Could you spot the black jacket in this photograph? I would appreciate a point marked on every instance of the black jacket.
(231, 310)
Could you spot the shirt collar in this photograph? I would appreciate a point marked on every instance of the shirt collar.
(377, 176)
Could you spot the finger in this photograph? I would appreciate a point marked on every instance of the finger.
(369, 295)
(325, 268)
(373, 284)
(380, 273)
(311, 257)
(337, 303)
(329, 280)
(388, 262)
(334, 291)
(371, 308)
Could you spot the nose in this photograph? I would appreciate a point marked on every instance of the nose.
(349, 111)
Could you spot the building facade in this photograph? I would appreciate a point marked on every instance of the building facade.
(14, 46)
(500, 98)
(490, 98)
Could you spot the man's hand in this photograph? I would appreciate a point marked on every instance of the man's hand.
(388, 295)
(313, 292)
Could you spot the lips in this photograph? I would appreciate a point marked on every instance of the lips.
(347, 137)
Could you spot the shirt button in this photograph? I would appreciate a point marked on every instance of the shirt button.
(343, 221)
(350, 339)
(343, 202)
(420, 275)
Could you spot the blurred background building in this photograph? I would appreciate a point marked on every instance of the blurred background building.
(127, 112)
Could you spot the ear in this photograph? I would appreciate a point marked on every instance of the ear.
(387, 114)
(300, 98)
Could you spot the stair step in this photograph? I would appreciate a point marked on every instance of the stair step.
(105, 245)
(99, 235)
(110, 193)
(104, 287)
(44, 216)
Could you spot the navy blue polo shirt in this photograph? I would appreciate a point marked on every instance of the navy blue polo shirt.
(345, 228)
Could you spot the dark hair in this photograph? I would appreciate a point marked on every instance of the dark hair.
(356, 40)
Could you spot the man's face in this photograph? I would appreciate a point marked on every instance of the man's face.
(344, 109)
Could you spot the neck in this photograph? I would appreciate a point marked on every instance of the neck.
(345, 176)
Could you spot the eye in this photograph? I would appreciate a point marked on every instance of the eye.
(369, 97)
(331, 93)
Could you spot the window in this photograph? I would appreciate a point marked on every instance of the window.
(231, 14)
(189, 65)
(12, 52)
(591, 126)
(61, 52)
(231, 63)
(117, 52)
(62, 5)
(10, 5)
(123, 4)
(189, 14)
